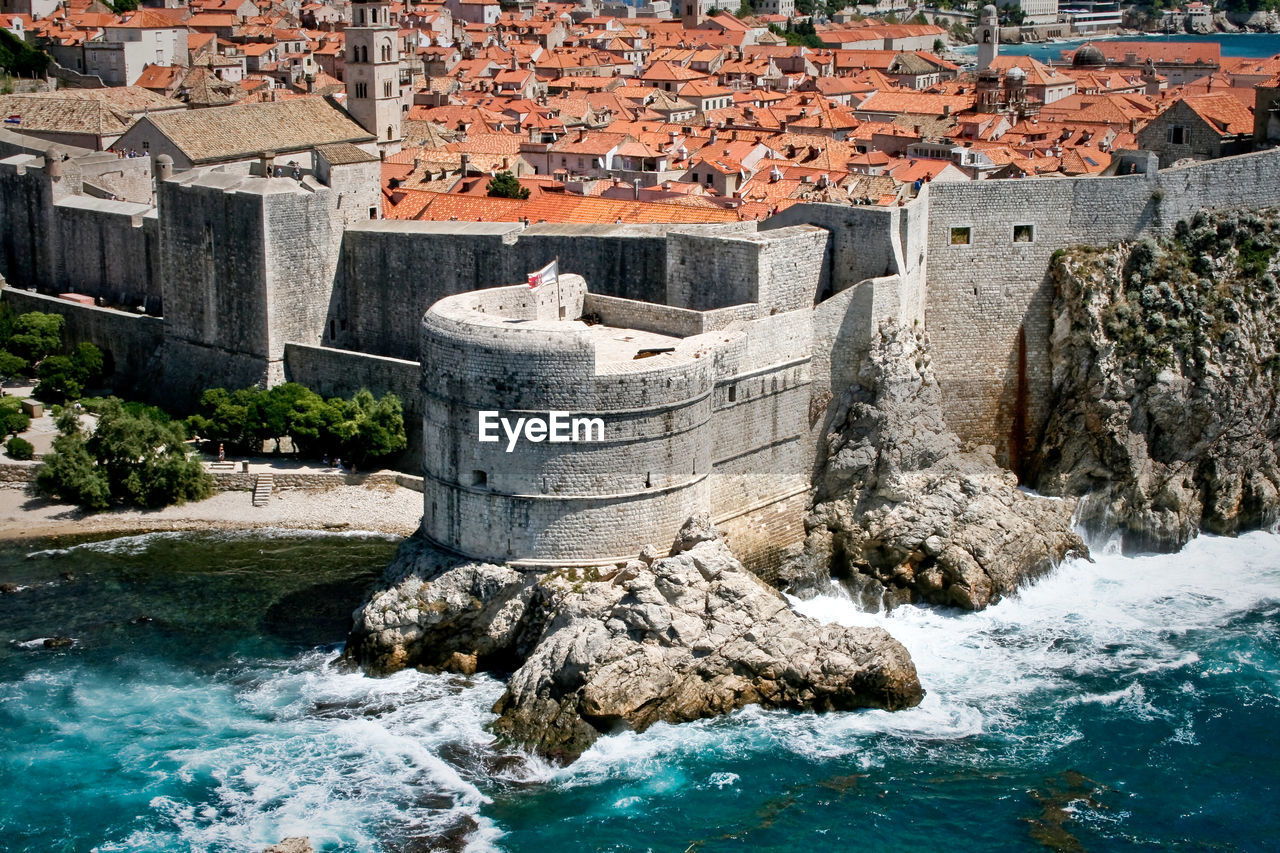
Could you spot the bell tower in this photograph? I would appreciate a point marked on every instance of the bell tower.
(373, 72)
(988, 36)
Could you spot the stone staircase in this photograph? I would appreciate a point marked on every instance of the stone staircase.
(263, 485)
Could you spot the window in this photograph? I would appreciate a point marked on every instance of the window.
(373, 213)
(145, 145)
(479, 478)
(1179, 135)
(961, 235)
(386, 52)
(733, 393)
(389, 135)
(386, 88)
(362, 90)
(1024, 233)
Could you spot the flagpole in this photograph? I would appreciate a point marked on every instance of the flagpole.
(559, 304)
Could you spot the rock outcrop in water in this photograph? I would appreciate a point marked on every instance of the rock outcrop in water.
(902, 513)
(672, 639)
(1165, 373)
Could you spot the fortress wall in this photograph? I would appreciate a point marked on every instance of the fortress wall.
(627, 261)
(792, 267)
(342, 373)
(129, 178)
(645, 316)
(707, 271)
(760, 436)
(391, 272)
(108, 250)
(301, 258)
(129, 342)
(989, 303)
(591, 531)
(213, 265)
(26, 209)
(858, 249)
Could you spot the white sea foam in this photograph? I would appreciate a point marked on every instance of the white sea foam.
(1114, 621)
(300, 749)
(139, 543)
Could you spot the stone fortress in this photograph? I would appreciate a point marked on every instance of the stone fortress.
(711, 352)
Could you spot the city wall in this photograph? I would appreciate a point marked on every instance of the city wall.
(989, 302)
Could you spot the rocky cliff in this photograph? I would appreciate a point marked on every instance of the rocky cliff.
(673, 638)
(1165, 372)
(903, 513)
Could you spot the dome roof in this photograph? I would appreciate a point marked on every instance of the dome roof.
(1088, 55)
(1015, 73)
(989, 11)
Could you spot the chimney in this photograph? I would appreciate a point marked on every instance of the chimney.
(466, 161)
(635, 189)
(946, 110)
(715, 134)
(264, 162)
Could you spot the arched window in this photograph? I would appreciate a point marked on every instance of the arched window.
(386, 52)
(389, 132)
(386, 88)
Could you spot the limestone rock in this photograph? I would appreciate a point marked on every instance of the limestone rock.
(1165, 373)
(693, 635)
(902, 513)
(291, 845)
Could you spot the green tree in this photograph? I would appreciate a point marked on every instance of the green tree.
(132, 457)
(11, 365)
(225, 416)
(506, 185)
(379, 426)
(35, 335)
(64, 377)
(20, 58)
(146, 462)
(70, 474)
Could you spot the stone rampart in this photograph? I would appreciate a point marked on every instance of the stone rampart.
(989, 299)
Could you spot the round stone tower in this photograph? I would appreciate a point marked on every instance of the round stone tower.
(551, 441)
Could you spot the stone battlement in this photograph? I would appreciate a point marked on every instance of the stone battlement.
(754, 329)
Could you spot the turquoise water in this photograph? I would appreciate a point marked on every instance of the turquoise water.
(1124, 704)
(1251, 45)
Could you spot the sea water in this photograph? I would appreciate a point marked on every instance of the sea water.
(1246, 45)
(1128, 703)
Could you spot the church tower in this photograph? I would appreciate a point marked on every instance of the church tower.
(373, 72)
(988, 37)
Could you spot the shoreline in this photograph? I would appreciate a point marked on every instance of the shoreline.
(369, 508)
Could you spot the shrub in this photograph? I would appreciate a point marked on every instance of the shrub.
(19, 448)
(12, 418)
